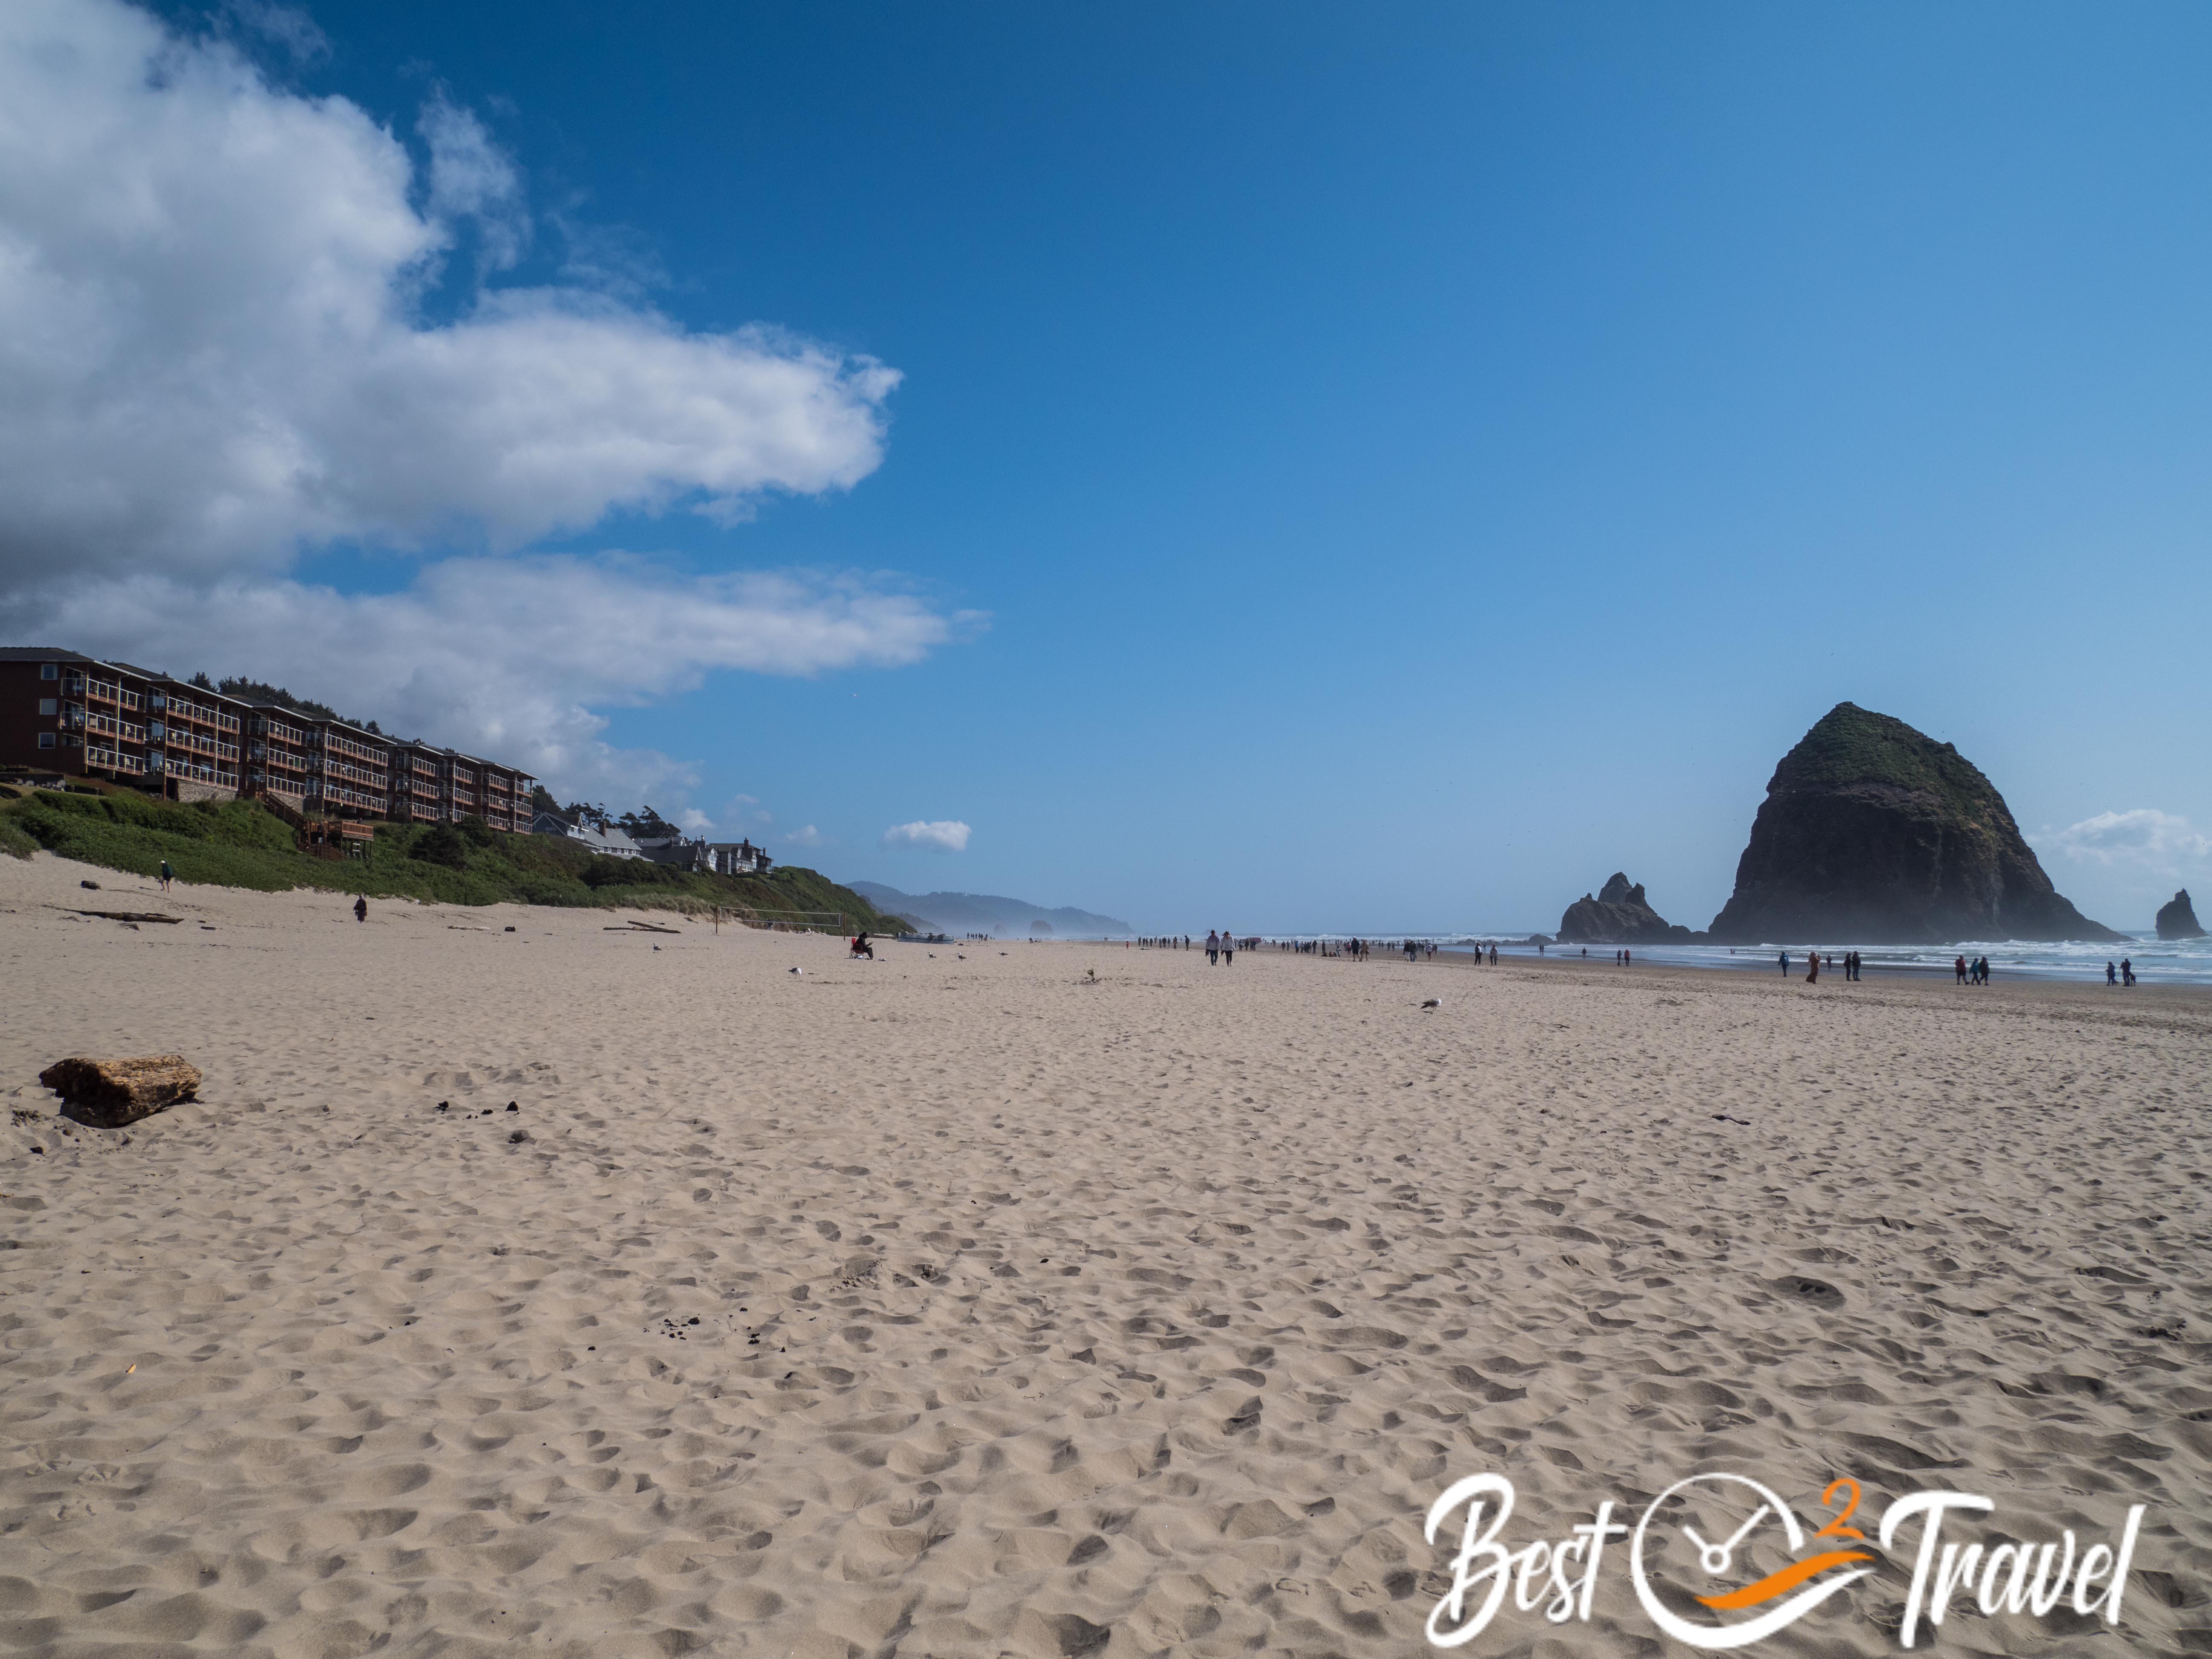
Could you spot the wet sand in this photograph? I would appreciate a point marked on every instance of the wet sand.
(945, 1306)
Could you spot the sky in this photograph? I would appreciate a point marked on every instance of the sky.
(1261, 466)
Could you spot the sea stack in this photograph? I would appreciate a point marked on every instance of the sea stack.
(1618, 915)
(1871, 832)
(2179, 919)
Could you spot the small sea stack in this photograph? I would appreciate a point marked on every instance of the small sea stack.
(1617, 915)
(2178, 919)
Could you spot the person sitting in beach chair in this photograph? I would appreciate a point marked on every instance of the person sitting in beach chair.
(861, 947)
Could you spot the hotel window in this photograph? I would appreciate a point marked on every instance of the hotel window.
(47, 706)
(45, 739)
(50, 670)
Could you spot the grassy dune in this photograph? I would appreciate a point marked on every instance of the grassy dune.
(242, 844)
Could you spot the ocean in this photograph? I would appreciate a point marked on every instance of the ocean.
(2156, 961)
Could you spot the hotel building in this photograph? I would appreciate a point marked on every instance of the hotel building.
(62, 712)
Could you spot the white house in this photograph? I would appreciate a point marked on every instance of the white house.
(610, 841)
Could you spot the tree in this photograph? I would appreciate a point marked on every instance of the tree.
(440, 844)
(238, 685)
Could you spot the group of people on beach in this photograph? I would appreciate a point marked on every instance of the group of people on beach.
(1849, 962)
(1220, 949)
(1976, 972)
(2124, 975)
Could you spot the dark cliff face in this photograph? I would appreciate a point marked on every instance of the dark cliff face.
(2179, 919)
(1618, 915)
(1873, 832)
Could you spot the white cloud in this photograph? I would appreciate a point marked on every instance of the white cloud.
(502, 656)
(807, 835)
(471, 178)
(214, 351)
(227, 334)
(693, 819)
(2161, 843)
(940, 836)
(286, 25)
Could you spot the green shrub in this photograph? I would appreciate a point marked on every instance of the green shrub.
(242, 844)
(440, 844)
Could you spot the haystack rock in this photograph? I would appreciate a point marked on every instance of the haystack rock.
(1618, 915)
(1876, 833)
(2179, 919)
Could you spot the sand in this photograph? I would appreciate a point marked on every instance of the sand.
(964, 1306)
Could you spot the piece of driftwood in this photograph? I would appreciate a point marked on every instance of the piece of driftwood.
(640, 928)
(131, 915)
(110, 1093)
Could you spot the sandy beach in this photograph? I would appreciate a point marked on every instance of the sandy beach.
(957, 1304)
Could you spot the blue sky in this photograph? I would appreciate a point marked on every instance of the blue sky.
(1377, 471)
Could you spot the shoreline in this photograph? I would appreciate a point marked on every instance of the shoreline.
(2039, 988)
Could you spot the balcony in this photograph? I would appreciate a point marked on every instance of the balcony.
(111, 760)
(108, 725)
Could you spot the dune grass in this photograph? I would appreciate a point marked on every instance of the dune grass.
(242, 844)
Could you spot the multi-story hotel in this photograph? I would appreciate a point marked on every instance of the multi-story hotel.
(61, 711)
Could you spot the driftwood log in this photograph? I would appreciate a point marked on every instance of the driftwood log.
(110, 1093)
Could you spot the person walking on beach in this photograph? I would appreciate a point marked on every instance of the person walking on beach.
(2112, 974)
(2127, 970)
(1228, 948)
(1212, 949)
(361, 908)
(167, 875)
(1786, 964)
(1958, 969)
(1812, 967)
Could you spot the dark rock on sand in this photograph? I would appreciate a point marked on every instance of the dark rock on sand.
(2179, 919)
(1872, 831)
(1618, 915)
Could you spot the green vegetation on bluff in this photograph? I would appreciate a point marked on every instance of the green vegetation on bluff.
(1849, 745)
(242, 844)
